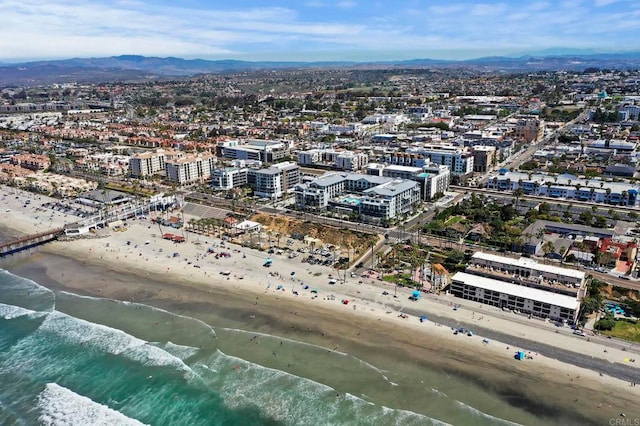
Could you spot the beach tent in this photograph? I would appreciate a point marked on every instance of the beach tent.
(520, 355)
(416, 294)
(423, 318)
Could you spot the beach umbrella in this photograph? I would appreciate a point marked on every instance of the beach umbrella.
(423, 318)
(416, 294)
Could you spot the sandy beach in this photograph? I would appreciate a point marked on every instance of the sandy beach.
(297, 299)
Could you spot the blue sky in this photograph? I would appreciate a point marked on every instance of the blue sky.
(312, 29)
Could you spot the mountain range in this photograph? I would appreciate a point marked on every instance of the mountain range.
(144, 68)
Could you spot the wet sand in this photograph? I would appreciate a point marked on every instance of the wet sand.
(558, 394)
(107, 267)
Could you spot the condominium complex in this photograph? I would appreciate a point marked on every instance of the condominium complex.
(343, 160)
(228, 178)
(528, 127)
(522, 285)
(567, 186)
(459, 160)
(190, 169)
(31, 161)
(267, 151)
(433, 178)
(150, 163)
(274, 182)
(371, 198)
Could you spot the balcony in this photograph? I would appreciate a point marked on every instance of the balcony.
(540, 283)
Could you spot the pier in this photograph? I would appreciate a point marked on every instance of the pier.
(22, 243)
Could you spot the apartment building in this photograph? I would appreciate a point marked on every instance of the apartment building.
(190, 169)
(484, 158)
(371, 198)
(228, 178)
(351, 161)
(459, 160)
(528, 127)
(567, 186)
(150, 163)
(522, 285)
(343, 160)
(433, 178)
(267, 151)
(31, 161)
(274, 182)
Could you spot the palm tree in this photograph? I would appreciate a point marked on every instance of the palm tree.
(536, 187)
(518, 193)
(548, 247)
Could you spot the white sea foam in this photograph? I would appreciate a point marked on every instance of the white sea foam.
(311, 345)
(479, 413)
(25, 292)
(181, 351)
(10, 312)
(16, 281)
(60, 406)
(110, 340)
(291, 399)
(152, 308)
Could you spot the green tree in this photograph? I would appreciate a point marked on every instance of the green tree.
(607, 322)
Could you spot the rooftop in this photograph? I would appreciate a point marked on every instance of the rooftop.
(524, 262)
(517, 290)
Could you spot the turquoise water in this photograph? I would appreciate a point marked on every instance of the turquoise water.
(57, 368)
(67, 359)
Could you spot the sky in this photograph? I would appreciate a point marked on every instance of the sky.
(313, 30)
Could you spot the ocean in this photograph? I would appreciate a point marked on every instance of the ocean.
(69, 359)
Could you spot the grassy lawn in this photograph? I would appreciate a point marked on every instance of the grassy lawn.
(454, 219)
(402, 279)
(625, 329)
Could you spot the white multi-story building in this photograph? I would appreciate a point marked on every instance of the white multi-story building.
(522, 285)
(459, 160)
(274, 182)
(351, 161)
(190, 169)
(309, 157)
(149, 163)
(433, 178)
(368, 196)
(567, 186)
(253, 149)
(228, 178)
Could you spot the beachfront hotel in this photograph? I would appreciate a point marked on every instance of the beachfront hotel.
(522, 285)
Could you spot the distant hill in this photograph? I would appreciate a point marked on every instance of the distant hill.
(141, 68)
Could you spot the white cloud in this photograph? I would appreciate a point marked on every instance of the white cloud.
(65, 28)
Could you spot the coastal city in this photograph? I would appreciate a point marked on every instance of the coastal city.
(498, 208)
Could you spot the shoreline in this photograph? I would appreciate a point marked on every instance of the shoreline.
(520, 384)
(174, 284)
